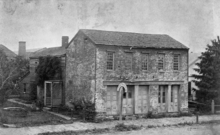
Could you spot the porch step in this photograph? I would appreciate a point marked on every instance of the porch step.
(46, 108)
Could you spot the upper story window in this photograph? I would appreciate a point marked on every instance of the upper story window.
(110, 60)
(161, 61)
(144, 60)
(128, 61)
(176, 62)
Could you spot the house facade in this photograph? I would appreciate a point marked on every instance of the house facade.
(28, 83)
(154, 69)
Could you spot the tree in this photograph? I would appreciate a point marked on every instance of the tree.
(208, 77)
(11, 70)
(49, 68)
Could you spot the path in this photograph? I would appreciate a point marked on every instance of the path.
(76, 126)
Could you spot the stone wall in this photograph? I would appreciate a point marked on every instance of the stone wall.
(136, 74)
(80, 69)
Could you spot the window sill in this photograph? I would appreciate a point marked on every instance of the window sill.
(161, 71)
(145, 71)
(176, 71)
(108, 70)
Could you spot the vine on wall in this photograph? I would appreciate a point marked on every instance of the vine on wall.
(49, 68)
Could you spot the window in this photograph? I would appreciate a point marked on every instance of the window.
(162, 94)
(127, 93)
(144, 65)
(25, 90)
(128, 61)
(161, 61)
(110, 60)
(176, 60)
(171, 96)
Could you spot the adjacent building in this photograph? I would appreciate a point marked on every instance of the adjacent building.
(153, 67)
(28, 82)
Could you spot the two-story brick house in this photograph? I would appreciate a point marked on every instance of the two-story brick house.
(153, 67)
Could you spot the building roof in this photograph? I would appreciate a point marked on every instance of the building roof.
(7, 51)
(132, 39)
(53, 51)
(31, 52)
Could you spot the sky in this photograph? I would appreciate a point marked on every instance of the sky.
(42, 23)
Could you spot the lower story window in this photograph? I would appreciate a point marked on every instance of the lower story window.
(162, 93)
(25, 90)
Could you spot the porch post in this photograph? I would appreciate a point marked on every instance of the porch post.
(136, 92)
(169, 98)
(45, 93)
(51, 97)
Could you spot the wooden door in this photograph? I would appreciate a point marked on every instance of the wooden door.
(48, 94)
(174, 98)
(112, 100)
(57, 94)
(128, 101)
(162, 98)
(143, 99)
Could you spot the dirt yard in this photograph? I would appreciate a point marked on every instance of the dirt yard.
(208, 129)
(34, 118)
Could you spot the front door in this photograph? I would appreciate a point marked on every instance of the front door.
(48, 94)
(57, 94)
(128, 101)
(143, 99)
(174, 98)
(162, 98)
(112, 100)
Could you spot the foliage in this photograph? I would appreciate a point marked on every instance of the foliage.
(11, 71)
(123, 127)
(208, 77)
(49, 68)
(85, 108)
(33, 92)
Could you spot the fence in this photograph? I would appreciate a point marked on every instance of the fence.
(213, 108)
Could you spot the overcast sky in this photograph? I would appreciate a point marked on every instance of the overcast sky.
(41, 23)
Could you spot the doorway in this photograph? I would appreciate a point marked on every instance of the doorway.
(53, 93)
(162, 98)
(128, 101)
(173, 107)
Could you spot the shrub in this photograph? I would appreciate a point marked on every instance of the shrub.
(123, 127)
(33, 92)
(85, 109)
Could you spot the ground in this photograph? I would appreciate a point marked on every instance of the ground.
(209, 129)
(34, 118)
(79, 126)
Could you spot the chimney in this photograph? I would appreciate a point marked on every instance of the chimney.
(65, 41)
(22, 49)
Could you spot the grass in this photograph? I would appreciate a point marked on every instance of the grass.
(34, 118)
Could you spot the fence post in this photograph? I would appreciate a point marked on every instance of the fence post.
(197, 117)
(213, 106)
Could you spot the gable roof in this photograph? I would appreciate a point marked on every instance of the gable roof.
(7, 51)
(53, 51)
(100, 37)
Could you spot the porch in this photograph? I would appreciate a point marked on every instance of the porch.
(144, 97)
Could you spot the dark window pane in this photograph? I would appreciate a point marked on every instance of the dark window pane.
(110, 60)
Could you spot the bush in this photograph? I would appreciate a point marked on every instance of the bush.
(33, 92)
(123, 127)
(85, 109)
